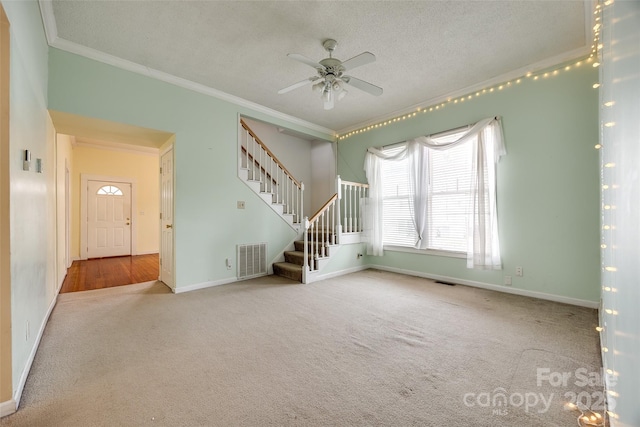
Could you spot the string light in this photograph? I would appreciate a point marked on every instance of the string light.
(596, 47)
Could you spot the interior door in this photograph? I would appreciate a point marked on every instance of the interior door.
(166, 218)
(108, 219)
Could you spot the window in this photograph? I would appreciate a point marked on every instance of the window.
(448, 198)
(109, 190)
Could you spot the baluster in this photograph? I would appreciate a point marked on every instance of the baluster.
(301, 200)
(333, 223)
(358, 217)
(279, 172)
(286, 193)
(291, 199)
(289, 183)
(349, 208)
(260, 150)
(326, 228)
(344, 209)
(271, 176)
(245, 156)
(282, 183)
(317, 247)
(253, 159)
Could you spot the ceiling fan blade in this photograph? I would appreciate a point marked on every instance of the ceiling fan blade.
(362, 85)
(363, 59)
(297, 85)
(305, 60)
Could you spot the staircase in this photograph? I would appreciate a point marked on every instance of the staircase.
(269, 178)
(338, 221)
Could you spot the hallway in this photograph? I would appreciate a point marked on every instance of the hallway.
(103, 273)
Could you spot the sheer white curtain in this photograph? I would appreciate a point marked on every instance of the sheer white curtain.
(483, 249)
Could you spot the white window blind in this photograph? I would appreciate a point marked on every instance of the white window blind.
(448, 200)
(399, 228)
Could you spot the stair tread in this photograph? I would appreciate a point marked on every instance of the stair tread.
(288, 266)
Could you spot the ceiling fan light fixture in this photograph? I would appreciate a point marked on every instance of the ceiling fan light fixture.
(317, 87)
(327, 94)
(330, 81)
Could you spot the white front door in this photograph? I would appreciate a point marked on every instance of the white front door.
(108, 219)
(166, 219)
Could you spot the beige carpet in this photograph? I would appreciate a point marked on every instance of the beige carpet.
(366, 349)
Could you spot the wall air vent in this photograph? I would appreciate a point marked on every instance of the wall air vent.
(252, 260)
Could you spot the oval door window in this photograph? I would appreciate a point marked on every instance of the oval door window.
(109, 190)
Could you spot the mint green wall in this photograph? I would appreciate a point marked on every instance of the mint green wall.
(207, 224)
(32, 195)
(548, 182)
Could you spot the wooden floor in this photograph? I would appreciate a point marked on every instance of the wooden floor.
(109, 272)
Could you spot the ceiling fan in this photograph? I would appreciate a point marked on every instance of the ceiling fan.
(331, 79)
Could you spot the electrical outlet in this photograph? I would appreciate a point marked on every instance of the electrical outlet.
(359, 256)
(519, 271)
(228, 263)
(240, 204)
(507, 280)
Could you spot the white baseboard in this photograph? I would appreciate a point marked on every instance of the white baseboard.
(203, 285)
(315, 278)
(7, 408)
(25, 373)
(148, 252)
(505, 289)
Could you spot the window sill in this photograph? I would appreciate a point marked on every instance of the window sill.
(432, 252)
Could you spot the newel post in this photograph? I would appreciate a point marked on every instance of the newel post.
(337, 221)
(305, 262)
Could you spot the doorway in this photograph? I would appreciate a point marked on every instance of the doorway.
(107, 226)
(108, 219)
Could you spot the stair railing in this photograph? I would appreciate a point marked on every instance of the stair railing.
(273, 176)
(351, 195)
(319, 233)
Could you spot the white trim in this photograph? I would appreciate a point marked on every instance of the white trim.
(148, 252)
(8, 408)
(84, 180)
(204, 285)
(67, 212)
(17, 395)
(49, 20)
(489, 286)
(115, 146)
(546, 63)
(210, 284)
(316, 278)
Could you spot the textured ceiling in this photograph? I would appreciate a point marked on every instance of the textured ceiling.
(424, 49)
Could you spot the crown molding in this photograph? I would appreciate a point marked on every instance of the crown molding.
(51, 31)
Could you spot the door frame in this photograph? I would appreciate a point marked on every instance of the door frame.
(84, 181)
(171, 285)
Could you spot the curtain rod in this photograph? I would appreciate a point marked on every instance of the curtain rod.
(443, 133)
